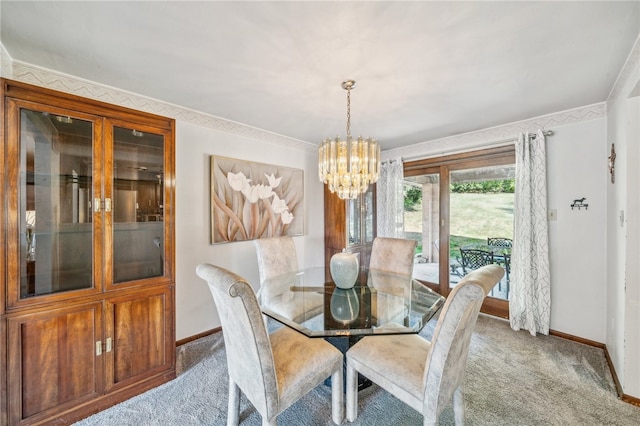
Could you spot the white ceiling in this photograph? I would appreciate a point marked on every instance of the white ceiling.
(425, 70)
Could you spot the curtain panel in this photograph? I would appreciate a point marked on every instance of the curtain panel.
(390, 199)
(530, 297)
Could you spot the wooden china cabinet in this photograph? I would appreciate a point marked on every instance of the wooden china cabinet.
(350, 225)
(87, 247)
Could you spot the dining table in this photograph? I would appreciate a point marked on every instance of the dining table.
(379, 303)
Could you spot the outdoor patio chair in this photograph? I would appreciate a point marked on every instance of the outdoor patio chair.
(502, 259)
(472, 259)
(499, 242)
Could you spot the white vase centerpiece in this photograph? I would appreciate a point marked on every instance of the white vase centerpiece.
(344, 269)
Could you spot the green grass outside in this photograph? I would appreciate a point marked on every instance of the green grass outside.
(474, 217)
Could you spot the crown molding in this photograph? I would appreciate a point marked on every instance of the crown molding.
(630, 65)
(496, 136)
(43, 77)
(5, 62)
(493, 136)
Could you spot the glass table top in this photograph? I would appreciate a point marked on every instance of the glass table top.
(384, 303)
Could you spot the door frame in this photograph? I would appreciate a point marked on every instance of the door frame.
(443, 165)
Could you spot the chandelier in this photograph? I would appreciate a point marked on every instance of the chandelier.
(348, 166)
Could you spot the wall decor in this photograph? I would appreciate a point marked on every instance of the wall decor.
(579, 204)
(254, 200)
(612, 163)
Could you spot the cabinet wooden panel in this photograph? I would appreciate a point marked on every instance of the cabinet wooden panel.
(87, 288)
(142, 334)
(53, 359)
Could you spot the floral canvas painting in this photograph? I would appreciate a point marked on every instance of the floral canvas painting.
(254, 200)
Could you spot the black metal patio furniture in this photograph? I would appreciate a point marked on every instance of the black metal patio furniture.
(472, 259)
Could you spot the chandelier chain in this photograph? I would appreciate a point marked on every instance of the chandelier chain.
(348, 113)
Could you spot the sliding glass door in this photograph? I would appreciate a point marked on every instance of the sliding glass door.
(460, 210)
(481, 221)
(422, 223)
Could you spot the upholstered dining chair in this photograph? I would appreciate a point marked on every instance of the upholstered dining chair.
(276, 256)
(272, 370)
(393, 255)
(425, 375)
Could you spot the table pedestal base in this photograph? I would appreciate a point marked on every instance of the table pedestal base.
(343, 343)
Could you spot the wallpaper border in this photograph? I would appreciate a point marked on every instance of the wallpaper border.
(43, 77)
(496, 136)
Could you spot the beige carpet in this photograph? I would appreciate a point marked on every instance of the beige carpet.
(512, 379)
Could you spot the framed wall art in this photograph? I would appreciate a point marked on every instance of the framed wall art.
(254, 200)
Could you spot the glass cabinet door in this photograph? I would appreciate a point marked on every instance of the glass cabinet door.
(138, 204)
(55, 187)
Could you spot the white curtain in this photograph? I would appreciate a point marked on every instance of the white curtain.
(530, 297)
(390, 199)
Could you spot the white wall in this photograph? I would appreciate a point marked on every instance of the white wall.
(576, 160)
(632, 282)
(623, 238)
(195, 311)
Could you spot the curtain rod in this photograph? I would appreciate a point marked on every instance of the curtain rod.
(544, 132)
(493, 144)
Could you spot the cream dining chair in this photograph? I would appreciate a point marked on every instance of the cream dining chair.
(272, 370)
(276, 256)
(390, 273)
(395, 255)
(425, 375)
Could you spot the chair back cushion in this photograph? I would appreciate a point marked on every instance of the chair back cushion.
(447, 359)
(276, 256)
(249, 356)
(393, 255)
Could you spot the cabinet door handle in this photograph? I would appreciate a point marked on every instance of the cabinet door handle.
(96, 205)
(107, 205)
(99, 348)
(109, 346)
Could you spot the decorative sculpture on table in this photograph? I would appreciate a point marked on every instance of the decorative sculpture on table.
(344, 269)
